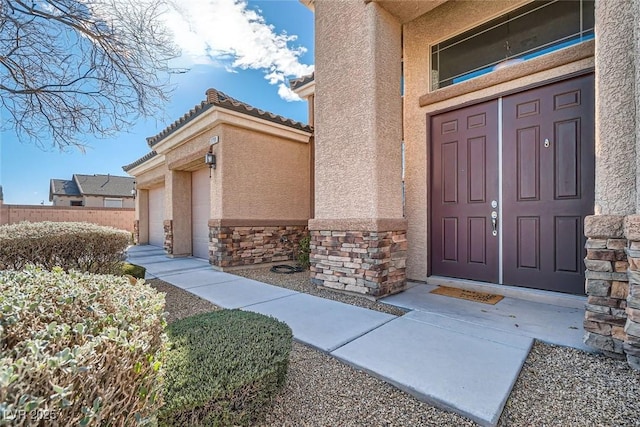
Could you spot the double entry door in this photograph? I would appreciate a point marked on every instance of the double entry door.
(512, 180)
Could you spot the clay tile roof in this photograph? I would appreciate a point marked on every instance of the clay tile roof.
(104, 185)
(222, 100)
(150, 155)
(301, 81)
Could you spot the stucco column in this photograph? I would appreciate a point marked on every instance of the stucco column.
(358, 136)
(358, 121)
(142, 216)
(616, 95)
(178, 208)
(617, 148)
(636, 57)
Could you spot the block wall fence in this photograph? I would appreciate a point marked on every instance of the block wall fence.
(120, 218)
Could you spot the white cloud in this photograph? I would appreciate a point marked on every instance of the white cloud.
(228, 33)
(287, 94)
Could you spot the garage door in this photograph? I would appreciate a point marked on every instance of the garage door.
(200, 213)
(156, 217)
(512, 182)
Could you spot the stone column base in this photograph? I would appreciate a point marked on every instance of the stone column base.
(136, 232)
(237, 243)
(361, 256)
(612, 318)
(168, 236)
(632, 326)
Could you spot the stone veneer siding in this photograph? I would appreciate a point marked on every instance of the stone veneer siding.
(236, 246)
(168, 236)
(612, 316)
(365, 262)
(632, 327)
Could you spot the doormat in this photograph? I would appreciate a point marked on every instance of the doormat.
(468, 295)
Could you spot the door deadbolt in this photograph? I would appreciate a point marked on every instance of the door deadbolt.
(494, 204)
(546, 143)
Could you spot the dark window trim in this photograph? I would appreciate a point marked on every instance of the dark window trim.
(583, 34)
(550, 61)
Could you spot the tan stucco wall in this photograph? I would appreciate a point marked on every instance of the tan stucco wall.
(151, 178)
(93, 201)
(258, 176)
(177, 193)
(190, 154)
(98, 201)
(358, 121)
(439, 24)
(142, 215)
(65, 200)
(187, 155)
(616, 88)
(261, 176)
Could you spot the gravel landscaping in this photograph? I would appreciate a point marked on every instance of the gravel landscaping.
(557, 386)
(300, 282)
(180, 303)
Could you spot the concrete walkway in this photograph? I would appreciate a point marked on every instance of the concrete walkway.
(459, 355)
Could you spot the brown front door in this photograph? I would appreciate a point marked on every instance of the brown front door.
(465, 182)
(548, 158)
(547, 181)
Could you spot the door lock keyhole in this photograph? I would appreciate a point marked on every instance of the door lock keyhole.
(546, 143)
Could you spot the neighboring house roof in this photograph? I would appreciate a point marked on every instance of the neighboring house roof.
(92, 185)
(222, 100)
(150, 155)
(301, 81)
(63, 187)
(104, 185)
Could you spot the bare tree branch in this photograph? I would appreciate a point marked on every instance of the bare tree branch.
(70, 68)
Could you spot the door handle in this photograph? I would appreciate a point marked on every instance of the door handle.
(494, 223)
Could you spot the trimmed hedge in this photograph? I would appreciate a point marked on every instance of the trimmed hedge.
(69, 245)
(79, 349)
(223, 368)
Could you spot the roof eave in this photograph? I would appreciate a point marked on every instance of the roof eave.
(306, 90)
(219, 115)
(310, 4)
(146, 166)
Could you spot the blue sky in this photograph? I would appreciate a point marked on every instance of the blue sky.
(244, 49)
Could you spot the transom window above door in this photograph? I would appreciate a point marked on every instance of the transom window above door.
(535, 29)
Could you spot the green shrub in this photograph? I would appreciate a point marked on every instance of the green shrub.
(304, 251)
(134, 270)
(70, 245)
(79, 348)
(223, 368)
